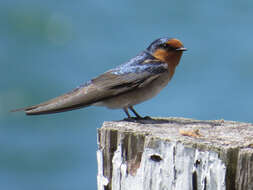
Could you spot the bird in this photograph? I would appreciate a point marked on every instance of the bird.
(124, 86)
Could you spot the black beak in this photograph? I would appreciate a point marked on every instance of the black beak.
(181, 49)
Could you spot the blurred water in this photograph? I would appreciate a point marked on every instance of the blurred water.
(49, 47)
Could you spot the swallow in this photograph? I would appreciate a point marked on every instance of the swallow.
(131, 83)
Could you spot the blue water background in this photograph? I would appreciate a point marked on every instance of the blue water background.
(49, 47)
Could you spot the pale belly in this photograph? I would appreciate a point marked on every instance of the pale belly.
(136, 96)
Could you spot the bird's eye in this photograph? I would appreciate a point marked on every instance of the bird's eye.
(164, 45)
(167, 47)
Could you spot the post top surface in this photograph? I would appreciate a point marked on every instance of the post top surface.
(218, 133)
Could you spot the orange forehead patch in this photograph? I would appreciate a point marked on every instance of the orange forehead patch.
(175, 43)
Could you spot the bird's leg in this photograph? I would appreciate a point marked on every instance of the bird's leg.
(127, 113)
(135, 113)
(138, 117)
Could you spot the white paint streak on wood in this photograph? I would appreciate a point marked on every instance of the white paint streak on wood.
(101, 179)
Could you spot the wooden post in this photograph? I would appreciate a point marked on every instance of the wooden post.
(175, 154)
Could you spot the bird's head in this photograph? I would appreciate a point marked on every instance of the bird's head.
(168, 50)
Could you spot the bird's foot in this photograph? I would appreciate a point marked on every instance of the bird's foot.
(137, 118)
(130, 119)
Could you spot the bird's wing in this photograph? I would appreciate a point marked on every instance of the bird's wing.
(107, 85)
(120, 80)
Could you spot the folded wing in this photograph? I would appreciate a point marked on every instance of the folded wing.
(112, 83)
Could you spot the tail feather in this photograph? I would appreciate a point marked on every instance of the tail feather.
(24, 109)
(73, 100)
(40, 110)
(49, 109)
